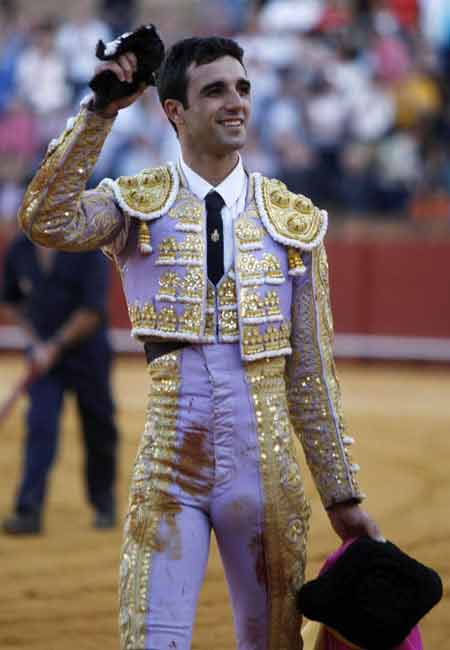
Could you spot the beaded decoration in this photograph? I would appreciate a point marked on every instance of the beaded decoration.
(145, 247)
(295, 262)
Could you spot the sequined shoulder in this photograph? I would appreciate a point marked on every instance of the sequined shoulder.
(291, 219)
(149, 194)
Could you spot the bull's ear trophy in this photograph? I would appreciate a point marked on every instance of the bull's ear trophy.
(146, 45)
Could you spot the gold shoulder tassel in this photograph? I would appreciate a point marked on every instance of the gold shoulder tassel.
(145, 247)
(295, 262)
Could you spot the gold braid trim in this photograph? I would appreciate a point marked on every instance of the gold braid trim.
(313, 388)
(150, 500)
(286, 509)
(56, 212)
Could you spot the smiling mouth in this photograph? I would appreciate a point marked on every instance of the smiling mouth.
(232, 124)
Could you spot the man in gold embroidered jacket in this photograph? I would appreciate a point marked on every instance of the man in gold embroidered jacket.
(243, 365)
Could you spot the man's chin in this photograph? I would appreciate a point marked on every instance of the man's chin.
(233, 144)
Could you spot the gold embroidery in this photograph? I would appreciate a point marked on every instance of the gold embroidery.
(295, 261)
(168, 282)
(286, 510)
(167, 320)
(188, 212)
(227, 292)
(292, 216)
(191, 286)
(144, 240)
(272, 304)
(210, 324)
(256, 340)
(314, 392)
(252, 305)
(56, 212)
(252, 340)
(271, 268)
(249, 268)
(228, 322)
(285, 335)
(142, 316)
(250, 235)
(167, 251)
(150, 500)
(190, 320)
(188, 251)
(191, 249)
(210, 297)
(272, 338)
(148, 191)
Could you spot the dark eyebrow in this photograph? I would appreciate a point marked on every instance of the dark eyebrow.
(214, 85)
(219, 85)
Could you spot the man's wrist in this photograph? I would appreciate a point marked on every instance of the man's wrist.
(92, 106)
(336, 505)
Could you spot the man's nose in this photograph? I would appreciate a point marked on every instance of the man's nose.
(234, 100)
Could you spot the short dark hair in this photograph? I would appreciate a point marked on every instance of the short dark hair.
(171, 79)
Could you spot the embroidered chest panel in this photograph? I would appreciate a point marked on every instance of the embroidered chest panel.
(169, 296)
(263, 289)
(166, 291)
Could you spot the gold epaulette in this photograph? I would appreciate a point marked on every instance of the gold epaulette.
(147, 195)
(291, 219)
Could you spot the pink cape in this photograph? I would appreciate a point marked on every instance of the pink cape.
(319, 637)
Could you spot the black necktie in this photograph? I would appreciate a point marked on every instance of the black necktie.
(214, 232)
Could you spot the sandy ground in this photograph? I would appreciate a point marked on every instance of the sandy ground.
(59, 589)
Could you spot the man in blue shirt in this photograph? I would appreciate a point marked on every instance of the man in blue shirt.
(59, 299)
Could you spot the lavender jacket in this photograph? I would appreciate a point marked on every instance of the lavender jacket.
(274, 303)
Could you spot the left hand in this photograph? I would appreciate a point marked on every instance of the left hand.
(348, 520)
(44, 355)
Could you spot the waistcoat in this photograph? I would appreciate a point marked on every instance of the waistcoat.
(165, 282)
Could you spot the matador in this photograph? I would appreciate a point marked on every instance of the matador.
(236, 324)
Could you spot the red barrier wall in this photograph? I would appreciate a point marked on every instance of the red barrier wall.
(390, 288)
(396, 288)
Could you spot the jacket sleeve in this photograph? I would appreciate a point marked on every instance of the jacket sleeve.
(313, 389)
(57, 211)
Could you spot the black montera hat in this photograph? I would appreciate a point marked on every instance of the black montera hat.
(373, 595)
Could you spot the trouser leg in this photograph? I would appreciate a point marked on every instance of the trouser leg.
(42, 420)
(260, 513)
(286, 510)
(167, 530)
(96, 408)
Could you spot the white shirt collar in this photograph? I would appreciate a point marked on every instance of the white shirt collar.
(230, 189)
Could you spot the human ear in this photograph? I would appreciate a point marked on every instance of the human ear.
(174, 110)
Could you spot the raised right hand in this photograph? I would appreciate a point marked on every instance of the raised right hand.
(123, 67)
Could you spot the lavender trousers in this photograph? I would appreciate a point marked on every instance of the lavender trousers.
(216, 454)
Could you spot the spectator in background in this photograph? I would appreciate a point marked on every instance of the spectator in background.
(13, 34)
(41, 80)
(255, 157)
(19, 146)
(327, 117)
(435, 19)
(382, 64)
(60, 300)
(76, 42)
(406, 12)
(119, 15)
(389, 52)
(397, 170)
(297, 164)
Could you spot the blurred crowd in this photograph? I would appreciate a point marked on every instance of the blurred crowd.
(350, 97)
